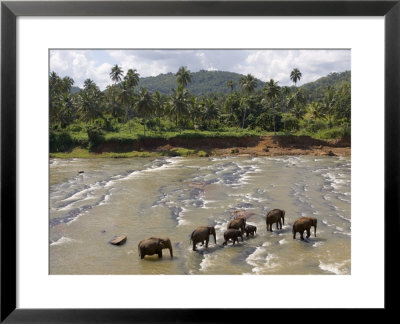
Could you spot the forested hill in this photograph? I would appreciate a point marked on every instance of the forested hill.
(332, 79)
(207, 82)
(203, 82)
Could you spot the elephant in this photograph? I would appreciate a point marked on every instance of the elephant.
(201, 234)
(275, 216)
(232, 234)
(154, 245)
(238, 223)
(250, 229)
(304, 224)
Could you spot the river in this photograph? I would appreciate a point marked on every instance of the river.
(143, 197)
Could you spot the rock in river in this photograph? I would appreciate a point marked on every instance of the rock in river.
(119, 240)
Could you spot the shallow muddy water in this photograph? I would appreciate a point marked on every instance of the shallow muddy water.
(172, 196)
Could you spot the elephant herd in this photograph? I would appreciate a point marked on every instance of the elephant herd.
(235, 229)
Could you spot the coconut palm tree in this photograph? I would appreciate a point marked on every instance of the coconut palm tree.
(328, 104)
(315, 110)
(158, 107)
(131, 80)
(230, 85)
(144, 106)
(89, 101)
(183, 77)
(179, 103)
(116, 74)
(248, 84)
(211, 111)
(272, 92)
(295, 75)
(88, 83)
(271, 89)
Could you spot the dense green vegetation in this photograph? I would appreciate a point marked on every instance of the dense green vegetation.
(202, 104)
(203, 83)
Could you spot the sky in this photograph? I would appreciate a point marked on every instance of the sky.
(263, 64)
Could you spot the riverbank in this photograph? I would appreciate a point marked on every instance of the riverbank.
(226, 146)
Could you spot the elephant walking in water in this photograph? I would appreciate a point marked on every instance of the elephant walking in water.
(154, 245)
(232, 234)
(238, 223)
(304, 224)
(201, 234)
(275, 216)
(250, 229)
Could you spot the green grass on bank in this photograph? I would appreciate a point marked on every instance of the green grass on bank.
(82, 153)
(74, 141)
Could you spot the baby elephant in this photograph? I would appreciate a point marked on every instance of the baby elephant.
(250, 229)
(232, 234)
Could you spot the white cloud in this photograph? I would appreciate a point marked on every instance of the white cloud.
(277, 64)
(80, 66)
(263, 64)
(127, 60)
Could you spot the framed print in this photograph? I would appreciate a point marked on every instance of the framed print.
(141, 138)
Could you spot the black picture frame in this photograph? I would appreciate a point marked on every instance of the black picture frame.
(10, 10)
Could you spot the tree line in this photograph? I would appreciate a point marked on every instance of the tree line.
(274, 108)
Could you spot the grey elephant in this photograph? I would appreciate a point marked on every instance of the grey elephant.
(232, 234)
(304, 224)
(250, 229)
(201, 234)
(154, 245)
(276, 216)
(237, 223)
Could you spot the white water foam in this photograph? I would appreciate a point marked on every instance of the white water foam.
(260, 259)
(63, 240)
(336, 268)
(207, 262)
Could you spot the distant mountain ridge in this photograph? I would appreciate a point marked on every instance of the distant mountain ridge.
(203, 82)
(215, 82)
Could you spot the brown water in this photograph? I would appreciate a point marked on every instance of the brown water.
(154, 197)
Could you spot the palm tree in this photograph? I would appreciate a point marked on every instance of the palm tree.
(89, 102)
(248, 84)
(328, 104)
(158, 107)
(116, 74)
(88, 83)
(67, 82)
(144, 106)
(230, 85)
(295, 75)
(272, 91)
(211, 111)
(183, 77)
(179, 104)
(296, 103)
(131, 80)
(125, 98)
(195, 110)
(315, 110)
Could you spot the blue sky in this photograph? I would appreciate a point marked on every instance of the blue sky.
(263, 64)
